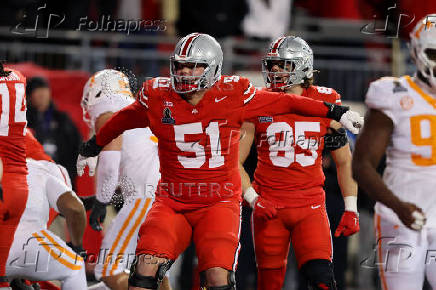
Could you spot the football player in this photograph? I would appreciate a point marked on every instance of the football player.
(13, 156)
(36, 253)
(196, 115)
(131, 162)
(287, 194)
(401, 121)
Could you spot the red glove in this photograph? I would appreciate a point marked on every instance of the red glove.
(264, 209)
(348, 225)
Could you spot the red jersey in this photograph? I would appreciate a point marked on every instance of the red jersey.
(34, 149)
(13, 122)
(199, 144)
(289, 147)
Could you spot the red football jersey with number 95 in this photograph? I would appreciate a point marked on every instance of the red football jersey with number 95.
(289, 169)
(13, 122)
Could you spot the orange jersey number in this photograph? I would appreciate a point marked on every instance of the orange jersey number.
(423, 133)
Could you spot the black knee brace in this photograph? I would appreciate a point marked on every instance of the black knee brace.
(320, 274)
(20, 284)
(231, 282)
(148, 282)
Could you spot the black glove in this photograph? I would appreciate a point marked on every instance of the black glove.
(1, 193)
(335, 140)
(335, 111)
(90, 148)
(79, 250)
(97, 216)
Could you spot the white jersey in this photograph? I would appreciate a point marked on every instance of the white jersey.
(47, 181)
(36, 253)
(139, 165)
(411, 154)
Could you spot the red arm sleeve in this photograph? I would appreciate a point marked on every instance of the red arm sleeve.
(265, 103)
(131, 117)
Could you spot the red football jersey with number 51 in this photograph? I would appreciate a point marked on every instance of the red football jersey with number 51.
(199, 144)
(289, 168)
(13, 122)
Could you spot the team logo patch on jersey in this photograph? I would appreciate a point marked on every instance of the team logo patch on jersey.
(398, 88)
(265, 119)
(167, 119)
(406, 103)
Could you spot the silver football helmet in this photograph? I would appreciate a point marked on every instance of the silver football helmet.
(423, 48)
(295, 59)
(104, 84)
(197, 50)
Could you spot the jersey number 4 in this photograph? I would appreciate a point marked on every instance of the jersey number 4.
(291, 139)
(216, 159)
(20, 107)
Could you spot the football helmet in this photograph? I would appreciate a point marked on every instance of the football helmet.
(196, 49)
(294, 56)
(423, 48)
(104, 84)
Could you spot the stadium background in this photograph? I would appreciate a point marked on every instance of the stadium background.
(354, 43)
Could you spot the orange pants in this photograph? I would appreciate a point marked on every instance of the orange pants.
(308, 229)
(214, 229)
(15, 191)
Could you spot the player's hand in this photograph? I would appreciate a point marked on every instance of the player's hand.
(97, 216)
(410, 215)
(90, 148)
(348, 225)
(83, 162)
(352, 121)
(264, 209)
(79, 250)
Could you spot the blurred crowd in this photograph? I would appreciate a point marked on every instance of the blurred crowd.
(250, 18)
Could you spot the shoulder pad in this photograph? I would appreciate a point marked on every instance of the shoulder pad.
(151, 87)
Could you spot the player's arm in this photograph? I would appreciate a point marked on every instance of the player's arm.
(130, 117)
(265, 103)
(247, 132)
(370, 147)
(72, 209)
(107, 174)
(263, 208)
(349, 223)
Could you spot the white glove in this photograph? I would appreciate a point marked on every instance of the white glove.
(419, 222)
(250, 196)
(82, 162)
(352, 121)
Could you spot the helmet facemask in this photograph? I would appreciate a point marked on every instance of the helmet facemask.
(423, 49)
(281, 73)
(184, 84)
(426, 63)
